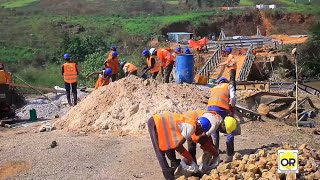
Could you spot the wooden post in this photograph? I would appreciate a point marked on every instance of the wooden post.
(297, 75)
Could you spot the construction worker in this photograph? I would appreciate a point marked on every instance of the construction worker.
(103, 79)
(70, 73)
(152, 64)
(129, 68)
(167, 62)
(231, 64)
(187, 51)
(112, 49)
(5, 77)
(227, 125)
(223, 101)
(114, 64)
(168, 132)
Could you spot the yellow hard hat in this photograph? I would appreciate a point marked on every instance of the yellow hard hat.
(230, 124)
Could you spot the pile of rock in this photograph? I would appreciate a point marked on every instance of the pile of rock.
(264, 165)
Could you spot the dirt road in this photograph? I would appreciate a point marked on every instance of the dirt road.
(27, 155)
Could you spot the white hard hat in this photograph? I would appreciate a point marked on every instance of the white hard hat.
(152, 51)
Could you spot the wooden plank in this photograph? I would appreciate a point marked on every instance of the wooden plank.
(38, 88)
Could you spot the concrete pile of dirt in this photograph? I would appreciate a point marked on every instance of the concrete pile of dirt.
(127, 104)
(264, 165)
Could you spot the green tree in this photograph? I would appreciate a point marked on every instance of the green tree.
(310, 54)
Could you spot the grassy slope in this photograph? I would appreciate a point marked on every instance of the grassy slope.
(290, 6)
(28, 29)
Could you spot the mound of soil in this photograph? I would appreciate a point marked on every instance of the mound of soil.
(127, 104)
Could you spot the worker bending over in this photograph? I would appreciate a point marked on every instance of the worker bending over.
(223, 101)
(5, 77)
(168, 132)
(129, 68)
(70, 73)
(226, 125)
(231, 64)
(103, 79)
(113, 63)
(152, 64)
(167, 62)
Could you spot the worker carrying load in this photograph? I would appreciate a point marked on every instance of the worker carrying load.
(70, 73)
(129, 68)
(103, 79)
(167, 61)
(5, 77)
(168, 132)
(223, 101)
(231, 64)
(152, 64)
(113, 63)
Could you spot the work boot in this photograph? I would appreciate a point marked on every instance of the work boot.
(168, 174)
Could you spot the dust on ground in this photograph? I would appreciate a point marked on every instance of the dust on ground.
(290, 39)
(107, 156)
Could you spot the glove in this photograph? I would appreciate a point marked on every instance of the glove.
(193, 168)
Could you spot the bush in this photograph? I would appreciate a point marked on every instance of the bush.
(310, 54)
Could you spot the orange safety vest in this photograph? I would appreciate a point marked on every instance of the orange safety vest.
(101, 82)
(130, 67)
(231, 62)
(70, 72)
(4, 77)
(168, 131)
(156, 67)
(194, 115)
(165, 56)
(220, 96)
(113, 64)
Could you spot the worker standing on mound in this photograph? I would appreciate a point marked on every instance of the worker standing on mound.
(152, 64)
(70, 73)
(113, 48)
(231, 64)
(103, 79)
(114, 64)
(223, 101)
(168, 132)
(5, 77)
(129, 68)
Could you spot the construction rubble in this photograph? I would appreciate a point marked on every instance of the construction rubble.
(127, 108)
(264, 165)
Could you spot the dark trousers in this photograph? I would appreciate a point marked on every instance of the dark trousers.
(68, 87)
(113, 77)
(168, 172)
(232, 79)
(154, 75)
(167, 72)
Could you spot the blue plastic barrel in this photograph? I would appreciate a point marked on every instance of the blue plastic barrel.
(184, 68)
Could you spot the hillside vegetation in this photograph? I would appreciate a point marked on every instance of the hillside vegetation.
(36, 33)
